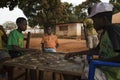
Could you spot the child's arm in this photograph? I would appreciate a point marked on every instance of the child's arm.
(17, 48)
(42, 46)
(85, 52)
(113, 59)
(4, 37)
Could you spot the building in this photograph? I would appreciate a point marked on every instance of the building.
(34, 30)
(116, 18)
(69, 29)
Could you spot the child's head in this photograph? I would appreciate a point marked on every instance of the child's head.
(49, 30)
(21, 23)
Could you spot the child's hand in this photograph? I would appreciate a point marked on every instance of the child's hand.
(57, 45)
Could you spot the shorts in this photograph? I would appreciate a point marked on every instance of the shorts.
(49, 50)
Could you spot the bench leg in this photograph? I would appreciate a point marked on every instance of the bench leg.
(41, 75)
(10, 71)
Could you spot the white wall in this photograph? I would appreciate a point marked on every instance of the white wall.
(79, 25)
(29, 30)
(34, 31)
(74, 29)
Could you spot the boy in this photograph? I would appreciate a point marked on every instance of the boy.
(16, 39)
(16, 42)
(49, 41)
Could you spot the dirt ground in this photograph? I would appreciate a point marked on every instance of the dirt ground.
(65, 45)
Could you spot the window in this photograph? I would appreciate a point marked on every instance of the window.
(63, 28)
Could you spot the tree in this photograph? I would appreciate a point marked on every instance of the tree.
(42, 12)
(82, 8)
(73, 14)
(8, 3)
(89, 3)
(68, 12)
(80, 12)
(38, 12)
(49, 12)
(116, 4)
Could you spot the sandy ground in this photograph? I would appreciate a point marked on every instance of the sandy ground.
(65, 45)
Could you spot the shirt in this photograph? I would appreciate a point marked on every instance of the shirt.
(107, 51)
(15, 38)
(49, 41)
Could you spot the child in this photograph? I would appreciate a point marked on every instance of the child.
(16, 39)
(3, 51)
(49, 41)
(3, 42)
(16, 42)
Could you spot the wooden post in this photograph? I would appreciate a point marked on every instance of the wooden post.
(28, 40)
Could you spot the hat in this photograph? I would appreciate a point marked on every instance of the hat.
(100, 7)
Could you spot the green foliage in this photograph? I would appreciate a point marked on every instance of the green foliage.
(88, 3)
(67, 11)
(116, 7)
(116, 4)
(42, 12)
(73, 14)
(49, 12)
(80, 12)
(8, 3)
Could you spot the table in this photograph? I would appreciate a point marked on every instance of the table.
(54, 62)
